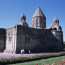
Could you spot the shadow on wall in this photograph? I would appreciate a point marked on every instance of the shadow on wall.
(2, 39)
(47, 42)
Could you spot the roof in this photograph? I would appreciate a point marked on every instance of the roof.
(23, 15)
(38, 12)
(55, 18)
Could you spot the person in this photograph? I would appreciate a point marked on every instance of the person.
(29, 52)
(22, 51)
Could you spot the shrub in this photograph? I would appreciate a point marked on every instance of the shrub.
(26, 59)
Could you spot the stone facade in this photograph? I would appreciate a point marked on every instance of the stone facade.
(11, 39)
(37, 38)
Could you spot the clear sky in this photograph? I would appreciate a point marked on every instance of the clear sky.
(11, 10)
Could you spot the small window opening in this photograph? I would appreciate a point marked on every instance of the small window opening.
(36, 22)
(55, 29)
(25, 39)
(0, 38)
(28, 39)
(10, 39)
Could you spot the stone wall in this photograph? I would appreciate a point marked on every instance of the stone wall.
(38, 22)
(2, 39)
(11, 34)
(59, 37)
(26, 39)
(36, 40)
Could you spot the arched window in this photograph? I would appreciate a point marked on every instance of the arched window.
(60, 28)
(36, 22)
(27, 39)
(54, 28)
(56, 23)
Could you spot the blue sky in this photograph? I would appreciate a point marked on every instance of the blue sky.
(11, 10)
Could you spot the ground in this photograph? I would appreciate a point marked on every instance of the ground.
(9, 55)
(49, 61)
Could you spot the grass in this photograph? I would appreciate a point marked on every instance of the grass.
(49, 61)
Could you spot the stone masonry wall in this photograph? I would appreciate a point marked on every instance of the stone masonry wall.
(2, 39)
(11, 39)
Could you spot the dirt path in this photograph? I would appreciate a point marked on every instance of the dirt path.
(10, 55)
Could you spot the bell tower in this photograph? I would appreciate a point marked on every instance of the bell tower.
(23, 20)
(38, 19)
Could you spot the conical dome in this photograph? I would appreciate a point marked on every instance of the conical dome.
(23, 16)
(38, 19)
(55, 19)
(38, 12)
(23, 20)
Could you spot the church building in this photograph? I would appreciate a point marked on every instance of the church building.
(37, 38)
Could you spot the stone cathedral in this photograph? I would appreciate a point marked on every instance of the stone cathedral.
(37, 38)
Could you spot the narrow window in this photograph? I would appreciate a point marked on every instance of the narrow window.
(36, 22)
(28, 39)
(25, 39)
(56, 23)
(0, 38)
(41, 24)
